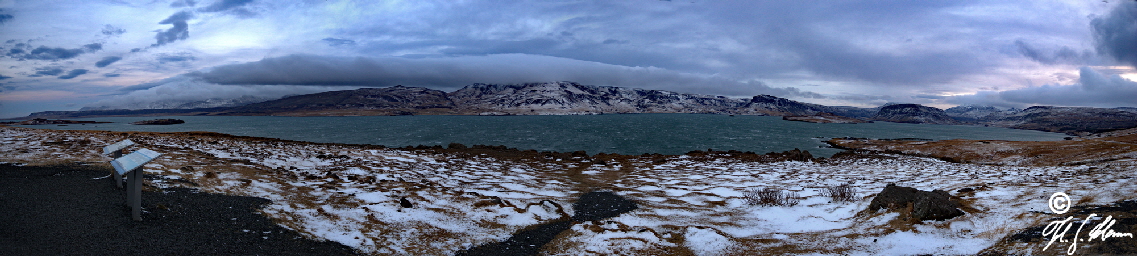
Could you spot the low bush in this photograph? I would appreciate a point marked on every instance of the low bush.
(840, 193)
(771, 197)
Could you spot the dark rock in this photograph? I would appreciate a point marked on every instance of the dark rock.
(405, 203)
(798, 155)
(160, 122)
(933, 205)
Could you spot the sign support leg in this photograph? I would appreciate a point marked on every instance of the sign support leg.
(117, 177)
(136, 194)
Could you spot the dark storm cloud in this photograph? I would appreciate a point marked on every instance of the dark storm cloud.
(48, 53)
(1116, 33)
(885, 43)
(47, 71)
(1063, 55)
(5, 17)
(229, 6)
(112, 30)
(840, 59)
(74, 73)
(25, 51)
(111, 75)
(927, 96)
(93, 47)
(180, 31)
(455, 72)
(177, 57)
(2, 77)
(338, 41)
(614, 41)
(1093, 89)
(224, 5)
(107, 61)
(862, 97)
(183, 3)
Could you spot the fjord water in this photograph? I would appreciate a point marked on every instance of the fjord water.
(624, 134)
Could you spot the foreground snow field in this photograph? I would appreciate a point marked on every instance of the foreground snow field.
(352, 194)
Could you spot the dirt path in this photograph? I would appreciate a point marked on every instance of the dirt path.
(591, 206)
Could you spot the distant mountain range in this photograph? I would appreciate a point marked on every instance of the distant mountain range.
(569, 98)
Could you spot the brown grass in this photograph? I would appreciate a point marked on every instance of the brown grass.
(998, 152)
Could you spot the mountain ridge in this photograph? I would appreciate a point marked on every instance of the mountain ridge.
(570, 98)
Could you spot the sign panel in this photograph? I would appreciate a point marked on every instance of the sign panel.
(134, 160)
(117, 146)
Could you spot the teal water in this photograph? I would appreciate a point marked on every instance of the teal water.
(624, 134)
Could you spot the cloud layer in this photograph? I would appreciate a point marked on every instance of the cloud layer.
(1093, 89)
(449, 73)
(183, 90)
(860, 53)
(299, 74)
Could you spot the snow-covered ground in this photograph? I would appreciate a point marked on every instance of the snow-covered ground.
(351, 194)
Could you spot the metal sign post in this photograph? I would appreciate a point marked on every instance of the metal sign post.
(132, 164)
(115, 151)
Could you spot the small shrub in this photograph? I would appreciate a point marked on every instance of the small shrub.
(840, 193)
(771, 197)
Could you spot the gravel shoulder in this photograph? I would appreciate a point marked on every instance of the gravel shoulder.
(66, 210)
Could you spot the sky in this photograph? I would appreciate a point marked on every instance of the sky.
(67, 55)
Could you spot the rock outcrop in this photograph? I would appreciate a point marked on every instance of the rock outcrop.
(160, 122)
(925, 205)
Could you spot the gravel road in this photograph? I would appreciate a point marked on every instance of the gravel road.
(64, 210)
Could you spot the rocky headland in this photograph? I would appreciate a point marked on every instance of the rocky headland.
(42, 121)
(826, 118)
(159, 122)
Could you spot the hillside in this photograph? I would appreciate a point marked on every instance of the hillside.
(554, 98)
(396, 100)
(914, 113)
